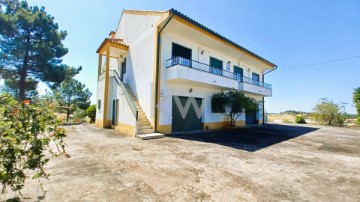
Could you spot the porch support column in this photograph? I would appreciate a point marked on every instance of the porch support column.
(106, 91)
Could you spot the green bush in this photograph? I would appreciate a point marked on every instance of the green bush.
(79, 114)
(328, 112)
(300, 119)
(91, 112)
(26, 134)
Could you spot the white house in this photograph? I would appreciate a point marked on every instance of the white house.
(158, 71)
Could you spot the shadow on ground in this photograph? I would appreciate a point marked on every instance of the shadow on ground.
(249, 139)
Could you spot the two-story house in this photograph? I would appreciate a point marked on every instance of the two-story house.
(158, 71)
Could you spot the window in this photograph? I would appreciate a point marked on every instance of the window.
(255, 79)
(216, 66)
(217, 105)
(99, 106)
(123, 67)
(181, 55)
(238, 73)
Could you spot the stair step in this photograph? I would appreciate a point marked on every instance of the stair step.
(144, 123)
(150, 136)
(144, 127)
(142, 116)
(145, 131)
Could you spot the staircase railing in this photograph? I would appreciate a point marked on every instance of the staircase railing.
(115, 75)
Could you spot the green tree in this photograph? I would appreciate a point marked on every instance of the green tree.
(79, 114)
(11, 86)
(232, 103)
(26, 133)
(328, 112)
(91, 112)
(31, 46)
(356, 99)
(72, 94)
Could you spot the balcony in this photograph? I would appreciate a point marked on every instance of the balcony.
(194, 72)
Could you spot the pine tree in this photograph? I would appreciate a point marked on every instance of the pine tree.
(31, 46)
(72, 94)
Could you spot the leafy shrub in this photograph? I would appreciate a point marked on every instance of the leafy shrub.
(79, 114)
(328, 112)
(26, 133)
(300, 119)
(91, 112)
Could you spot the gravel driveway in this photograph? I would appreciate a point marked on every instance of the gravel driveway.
(268, 163)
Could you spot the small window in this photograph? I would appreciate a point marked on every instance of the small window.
(123, 66)
(218, 110)
(217, 104)
(99, 106)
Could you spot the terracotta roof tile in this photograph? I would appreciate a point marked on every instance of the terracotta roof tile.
(117, 41)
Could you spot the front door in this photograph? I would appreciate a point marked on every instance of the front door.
(250, 117)
(115, 111)
(191, 121)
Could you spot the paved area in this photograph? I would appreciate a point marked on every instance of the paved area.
(271, 163)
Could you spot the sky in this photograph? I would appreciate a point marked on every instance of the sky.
(291, 34)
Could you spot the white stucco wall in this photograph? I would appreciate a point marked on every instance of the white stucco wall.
(139, 32)
(174, 88)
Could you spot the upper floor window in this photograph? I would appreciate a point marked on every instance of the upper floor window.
(238, 73)
(255, 78)
(181, 54)
(216, 66)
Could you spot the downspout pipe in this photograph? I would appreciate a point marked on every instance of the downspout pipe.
(158, 71)
(275, 67)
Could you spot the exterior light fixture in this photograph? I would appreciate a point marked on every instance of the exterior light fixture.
(190, 90)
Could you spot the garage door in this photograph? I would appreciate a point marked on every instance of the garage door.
(190, 121)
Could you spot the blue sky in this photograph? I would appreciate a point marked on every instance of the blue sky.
(288, 33)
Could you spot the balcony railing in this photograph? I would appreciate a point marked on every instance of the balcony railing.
(213, 70)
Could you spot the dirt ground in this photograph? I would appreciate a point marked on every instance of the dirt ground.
(268, 163)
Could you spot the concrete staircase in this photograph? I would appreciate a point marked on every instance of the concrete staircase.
(145, 130)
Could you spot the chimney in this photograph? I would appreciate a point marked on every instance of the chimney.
(112, 35)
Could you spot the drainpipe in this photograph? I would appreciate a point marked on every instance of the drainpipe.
(275, 67)
(158, 70)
